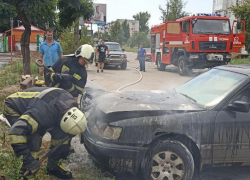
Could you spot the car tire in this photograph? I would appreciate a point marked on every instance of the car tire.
(168, 159)
(124, 65)
(182, 66)
(160, 66)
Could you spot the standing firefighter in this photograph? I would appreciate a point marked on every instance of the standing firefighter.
(31, 114)
(69, 72)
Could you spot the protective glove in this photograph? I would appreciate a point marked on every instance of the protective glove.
(57, 77)
(66, 77)
(29, 170)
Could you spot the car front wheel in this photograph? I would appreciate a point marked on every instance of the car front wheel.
(124, 65)
(168, 160)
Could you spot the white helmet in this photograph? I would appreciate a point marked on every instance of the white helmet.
(73, 122)
(86, 51)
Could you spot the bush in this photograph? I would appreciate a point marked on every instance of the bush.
(240, 61)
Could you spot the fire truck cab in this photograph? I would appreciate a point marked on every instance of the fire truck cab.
(196, 42)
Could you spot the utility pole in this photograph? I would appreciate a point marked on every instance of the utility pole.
(47, 25)
(11, 48)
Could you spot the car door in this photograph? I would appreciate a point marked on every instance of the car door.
(232, 132)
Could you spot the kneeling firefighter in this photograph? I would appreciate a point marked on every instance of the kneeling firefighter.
(69, 71)
(32, 113)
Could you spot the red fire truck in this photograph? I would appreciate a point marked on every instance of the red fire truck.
(196, 42)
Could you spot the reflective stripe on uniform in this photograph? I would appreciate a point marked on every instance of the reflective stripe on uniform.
(57, 85)
(45, 92)
(31, 121)
(24, 95)
(51, 77)
(9, 111)
(79, 88)
(65, 69)
(78, 77)
(71, 89)
(54, 142)
(18, 139)
(36, 154)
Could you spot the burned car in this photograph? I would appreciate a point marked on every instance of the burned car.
(169, 135)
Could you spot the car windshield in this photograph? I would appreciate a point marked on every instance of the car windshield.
(212, 87)
(114, 47)
(203, 26)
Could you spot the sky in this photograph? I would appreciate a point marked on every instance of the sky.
(125, 9)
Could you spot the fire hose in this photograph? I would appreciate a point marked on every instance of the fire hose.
(135, 82)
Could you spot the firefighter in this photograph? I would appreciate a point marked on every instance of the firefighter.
(69, 72)
(34, 112)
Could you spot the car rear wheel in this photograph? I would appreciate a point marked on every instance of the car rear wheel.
(168, 160)
(160, 66)
(124, 65)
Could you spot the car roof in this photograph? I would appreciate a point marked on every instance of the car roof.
(241, 69)
(111, 43)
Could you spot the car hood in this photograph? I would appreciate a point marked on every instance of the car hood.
(116, 52)
(144, 101)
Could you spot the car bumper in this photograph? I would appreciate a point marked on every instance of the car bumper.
(114, 61)
(120, 157)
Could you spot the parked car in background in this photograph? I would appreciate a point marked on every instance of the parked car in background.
(168, 135)
(116, 57)
(148, 54)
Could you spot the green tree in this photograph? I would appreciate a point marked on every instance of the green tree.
(116, 33)
(143, 18)
(126, 32)
(243, 12)
(105, 36)
(173, 11)
(70, 13)
(6, 11)
(139, 38)
(28, 11)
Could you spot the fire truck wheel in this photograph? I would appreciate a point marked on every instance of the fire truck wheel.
(182, 66)
(160, 66)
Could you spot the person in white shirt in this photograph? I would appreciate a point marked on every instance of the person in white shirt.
(98, 16)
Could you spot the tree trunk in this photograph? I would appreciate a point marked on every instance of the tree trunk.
(76, 32)
(25, 41)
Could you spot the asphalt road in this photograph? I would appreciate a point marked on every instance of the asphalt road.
(113, 78)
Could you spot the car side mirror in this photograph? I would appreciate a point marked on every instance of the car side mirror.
(123, 50)
(239, 106)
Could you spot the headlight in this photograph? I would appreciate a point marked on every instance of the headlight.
(123, 56)
(194, 56)
(112, 132)
(107, 132)
(228, 57)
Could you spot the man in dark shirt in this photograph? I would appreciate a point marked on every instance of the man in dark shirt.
(101, 50)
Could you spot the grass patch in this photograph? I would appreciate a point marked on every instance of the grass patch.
(239, 61)
(10, 77)
(128, 49)
(9, 164)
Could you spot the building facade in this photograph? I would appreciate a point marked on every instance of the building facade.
(223, 7)
(133, 25)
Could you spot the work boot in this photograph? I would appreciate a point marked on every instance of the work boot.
(54, 167)
(97, 71)
(102, 70)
